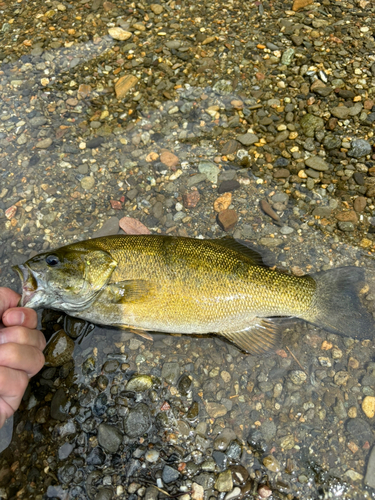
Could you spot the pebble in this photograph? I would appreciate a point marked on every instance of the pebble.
(139, 383)
(224, 481)
(170, 372)
(59, 350)
(216, 410)
(210, 170)
(191, 199)
(137, 421)
(124, 85)
(119, 34)
(368, 406)
(227, 219)
(298, 377)
(370, 471)
(316, 163)
(247, 139)
(88, 183)
(223, 202)
(228, 185)
(359, 148)
(170, 474)
(152, 456)
(44, 143)
(169, 159)
(109, 437)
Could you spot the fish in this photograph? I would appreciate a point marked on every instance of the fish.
(177, 285)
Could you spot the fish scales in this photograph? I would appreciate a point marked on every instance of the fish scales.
(189, 286)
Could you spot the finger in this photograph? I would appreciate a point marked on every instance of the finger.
(20, 316)
(21, 357)
(8, 298)
(22, 335)
(13, 384)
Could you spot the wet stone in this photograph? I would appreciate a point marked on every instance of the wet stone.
(271, 463)
(184, 385)
(247, 139)
(317, 163)
(298, 377)
(359, 148)
(346, 227)
(109, 437)
(227, 219)
(228, 186)
(59, 350)
(360, 431)
(65, 450)
(104, 494)
(221, 459)
(60, 405)
(310, 123)
(152, 456)
(170, 372)
(139, 383)
(370, 471)
(210, 170)
(96, 456)
(111, 366)
(137, 422)
(170, 474)
(205, 479)
(224, 481)
(234, 450)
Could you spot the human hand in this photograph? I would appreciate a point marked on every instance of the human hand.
(21, 347)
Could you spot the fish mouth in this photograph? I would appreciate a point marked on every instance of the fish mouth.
(33, 295)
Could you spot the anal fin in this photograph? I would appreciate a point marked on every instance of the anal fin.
(138, 331)
(260, 336)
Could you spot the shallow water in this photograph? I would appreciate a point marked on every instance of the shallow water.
(297, 405)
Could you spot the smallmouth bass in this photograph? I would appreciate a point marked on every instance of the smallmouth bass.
(190, 286)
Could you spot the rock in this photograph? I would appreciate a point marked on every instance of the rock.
(224, 481)
(184, 385)
(216, 410)
(170, 372)
(346, 227)
(44, 143)
(267, 209)
(360, 431)
(230, 147)
(65, 450)
(152, 456)
(322, 211)
(139, 383)
(247, 139)
(156, 8)
(59, 350)
(195, 179)
(271, 463)
(347, 216)
(310, 123)
(119, 34)
(227, 219)
(169, 159)
(331, 141)
(228, 186)
(87, 183)
(360, 203)
(281, 173)
(223, 202)
(341, 377)
(264, 491)
(317, 163)
(210, 170)
(340, 112)
(191, 199)
(370, 471)
(298, 377)
(124, 84)
(359, 148)
(109, 437)
(368, 406)
(170, 474)
(197, 492)
(60, 405)
(133, 226)
(359, 178)
(287, 57)
(110, 226)
(137, 422)
(104, 493)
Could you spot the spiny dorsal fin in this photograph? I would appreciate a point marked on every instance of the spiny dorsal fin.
(259, 337)
(127, 291)
(240, 247)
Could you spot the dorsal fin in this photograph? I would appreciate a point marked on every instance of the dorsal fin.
(241, 247)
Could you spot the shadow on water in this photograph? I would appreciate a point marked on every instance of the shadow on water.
(179, 415)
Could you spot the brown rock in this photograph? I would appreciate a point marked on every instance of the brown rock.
(228, 186)
(223, 202)
(191, 199)
(371, 171)
(281, 173)
(108, 6)
(299, 4)
(230, 147)
(83, 91)
(227, 219)
(368, 104)
(133, 226)
(370, 193)
(72, 101)
(267, 209)
(169, 159)
(119, 34)
(332, 122)
(156, 8)
(360, 203)
(59, 349)
(124, 84)
(116, 205)
(347, 216)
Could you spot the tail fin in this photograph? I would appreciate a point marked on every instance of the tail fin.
(337, 306)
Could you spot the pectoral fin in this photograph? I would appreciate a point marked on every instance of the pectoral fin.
(260, 336)
(129, 291)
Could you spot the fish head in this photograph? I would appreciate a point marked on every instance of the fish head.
(69, 278)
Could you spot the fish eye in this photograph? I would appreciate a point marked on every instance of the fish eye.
(52, 260)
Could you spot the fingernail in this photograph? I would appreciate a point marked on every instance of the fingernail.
(15, 317)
